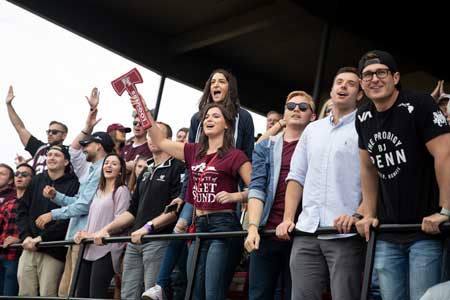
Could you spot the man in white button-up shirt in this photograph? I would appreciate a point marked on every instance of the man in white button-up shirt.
(325, 175)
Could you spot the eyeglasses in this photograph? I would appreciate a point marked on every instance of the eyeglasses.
(54, 131)
(381, 73)
(136, 123)
(303, 106)
(23, 173)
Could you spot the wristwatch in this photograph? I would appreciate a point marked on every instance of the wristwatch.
(358, 216)
(445, 212)
(149, 226)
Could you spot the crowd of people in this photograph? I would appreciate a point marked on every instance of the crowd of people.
(384, 161)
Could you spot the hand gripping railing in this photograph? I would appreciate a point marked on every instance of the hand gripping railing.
(370, 252)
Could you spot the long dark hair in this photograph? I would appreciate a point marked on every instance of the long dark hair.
(119, 180)
(231, 101)
(228, 139)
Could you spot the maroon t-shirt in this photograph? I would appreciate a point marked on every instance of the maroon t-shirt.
(220, 175)
(277, 211)
(129, 152)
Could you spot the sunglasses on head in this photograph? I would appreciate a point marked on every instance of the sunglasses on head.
(303, 106)
(23, 173)
(136, 123)
(53, 131)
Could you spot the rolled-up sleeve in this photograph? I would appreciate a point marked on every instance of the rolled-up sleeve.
(79, 204)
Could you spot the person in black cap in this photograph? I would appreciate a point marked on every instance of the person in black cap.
(404, 146)
(87, 154)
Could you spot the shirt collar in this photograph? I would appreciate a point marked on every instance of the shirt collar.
(348, 118)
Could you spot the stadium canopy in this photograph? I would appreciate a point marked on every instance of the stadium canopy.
(272, 47)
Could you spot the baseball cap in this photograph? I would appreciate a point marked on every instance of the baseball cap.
(117, 126)
(63, 149)
(100, 137)
(377, 57)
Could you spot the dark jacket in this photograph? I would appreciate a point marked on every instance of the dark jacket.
(33, 204)
(155, 189)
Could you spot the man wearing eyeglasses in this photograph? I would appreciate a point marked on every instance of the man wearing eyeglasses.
(404, 146)
(269, 258)
(324, 177)
(138, 146)
(56, 134)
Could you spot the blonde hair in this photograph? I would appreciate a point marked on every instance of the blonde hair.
(324, 108)
(305, 95)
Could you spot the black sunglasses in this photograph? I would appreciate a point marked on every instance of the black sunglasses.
(136, 123)
(23, 173)
(303, 106)
(54, 131)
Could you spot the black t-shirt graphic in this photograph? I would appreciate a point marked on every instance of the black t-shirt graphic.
(395, 140)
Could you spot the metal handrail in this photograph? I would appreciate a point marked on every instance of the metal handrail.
(385, 228)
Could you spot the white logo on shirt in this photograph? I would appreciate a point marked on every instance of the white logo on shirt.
(364, 116)
(439, 118)
(387, 154)
(161, 178)
(199, 167)
(408, 106)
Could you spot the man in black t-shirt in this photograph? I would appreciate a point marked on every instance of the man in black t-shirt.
(404, 146)
(56, 134)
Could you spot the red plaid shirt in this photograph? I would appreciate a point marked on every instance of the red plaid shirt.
(8, 226)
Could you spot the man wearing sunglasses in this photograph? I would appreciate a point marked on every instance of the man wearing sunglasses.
(404, 146)
(324, 177)
(9, 233)
(138, 146)
(56, 135)
(269, 258)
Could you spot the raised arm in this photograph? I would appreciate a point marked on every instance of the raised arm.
(24, 134)
(158, 137)
(91, 120)
(274, 130)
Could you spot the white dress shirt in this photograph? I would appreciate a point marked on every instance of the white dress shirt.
(326, 163)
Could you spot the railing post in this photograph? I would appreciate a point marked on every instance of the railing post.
(368, 266)
(191, 275)
(76, 271)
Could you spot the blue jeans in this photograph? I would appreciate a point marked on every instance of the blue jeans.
(266, 265)
(8, 277)
(406, 271)
(217, 257)
(374, 291)
(173, 250)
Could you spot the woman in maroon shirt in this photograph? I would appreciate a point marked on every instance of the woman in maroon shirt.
(215, 168)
